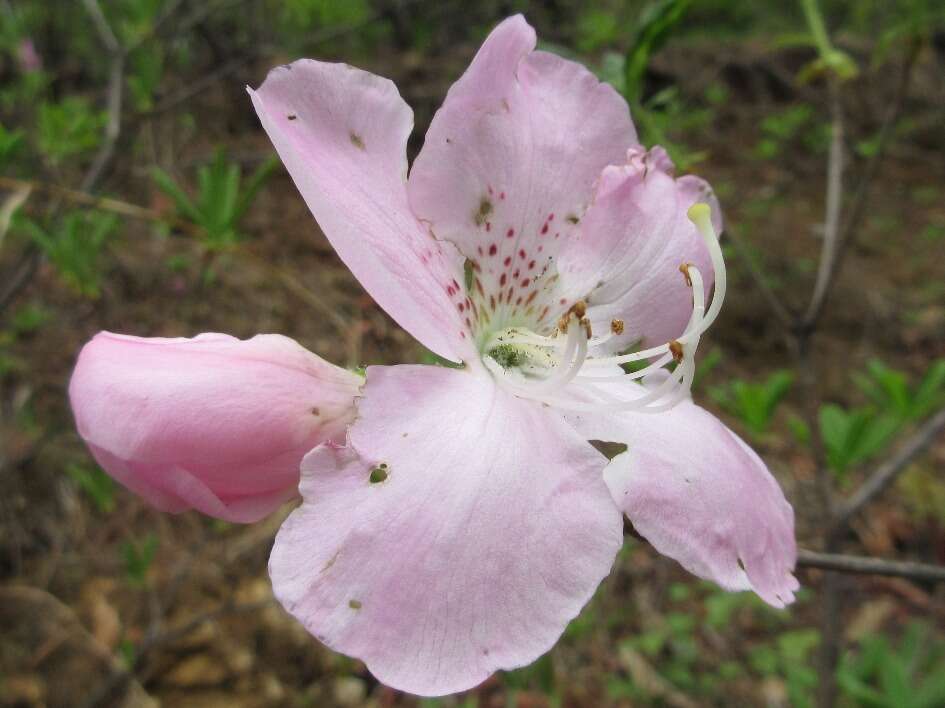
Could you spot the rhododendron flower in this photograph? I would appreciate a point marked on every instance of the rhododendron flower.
(467, 519)
(211, 423)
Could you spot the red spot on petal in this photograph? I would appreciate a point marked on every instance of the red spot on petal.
(525, 282)
(544, 229)
(516, 273)
(479, 248)
(531, 264)
(508, 260)
(509, 294)
(510, 233)
(493, 249)
(518, 301)
(468, 323)
(488, 226)
(531, 297)
(492, 301)
(461, 306)
(522, 254)
(502, 280)
(501, 195)
(551, 216)
(562, 301)
(462, 334)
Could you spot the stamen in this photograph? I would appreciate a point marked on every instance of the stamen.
(545, 366)
(701, 215)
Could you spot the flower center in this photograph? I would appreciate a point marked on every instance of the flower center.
(562, 370)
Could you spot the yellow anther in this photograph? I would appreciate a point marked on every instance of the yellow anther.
(676, 350)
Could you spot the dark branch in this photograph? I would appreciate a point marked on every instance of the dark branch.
(870, 566)
(887, 472)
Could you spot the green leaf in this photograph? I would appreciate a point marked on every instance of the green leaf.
(185, 207)
(96, 484)
(654, 27)
(138, 556)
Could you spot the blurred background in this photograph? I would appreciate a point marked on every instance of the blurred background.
(138, 193)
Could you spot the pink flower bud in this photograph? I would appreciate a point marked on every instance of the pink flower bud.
(212, 423)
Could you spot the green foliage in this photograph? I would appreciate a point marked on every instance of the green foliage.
(890, 391)
(138, 555)
(754, 403)
(68, 128)
(96, 484)
(29, 318)
(779, 129)
(222, 199)
(830, 60)
(10, 142)
(653, 28)
(597, 28)
(854, 436)
(74, 245)
(539, 675)
(320, 13)
(908, 675)
(144, 78)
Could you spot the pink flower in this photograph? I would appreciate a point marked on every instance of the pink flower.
(468, 519)
(211, 423)
(29, 59)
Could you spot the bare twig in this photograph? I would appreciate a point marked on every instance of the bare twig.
(116, 81)
(857, 203)
(835, 165)
(115, 206)
(861, 565)
(887, 472)
(102, 27)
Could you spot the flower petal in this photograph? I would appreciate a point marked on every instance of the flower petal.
(212, 423)
(342, 134)
(510, 161)
(485, 531)
(700, 495)
(625, 259)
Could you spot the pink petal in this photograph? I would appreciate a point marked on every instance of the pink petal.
(211, 423)
(492, 529)
(342, 134)
(626, 257)
(509, 164)
(700, 495)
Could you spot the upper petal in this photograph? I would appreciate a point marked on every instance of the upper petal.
(212, 423)
(626, 256)
(486, 529)
(342, 134)
(700, 495)
(510, 161)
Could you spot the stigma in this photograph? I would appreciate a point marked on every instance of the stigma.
(562, 370)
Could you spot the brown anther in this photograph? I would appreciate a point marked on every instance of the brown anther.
(563, 323)
(586, 324)
(684, 269)
(676, 350)
(579, 309)
(616, 326)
